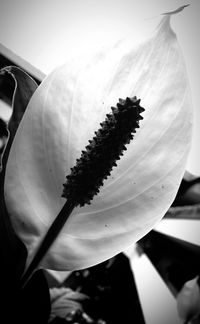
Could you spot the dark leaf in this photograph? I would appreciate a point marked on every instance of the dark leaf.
(176, 261)
(12, 251)
(25, 86)
(29, 305)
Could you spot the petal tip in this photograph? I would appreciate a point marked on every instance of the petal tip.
(173, 12)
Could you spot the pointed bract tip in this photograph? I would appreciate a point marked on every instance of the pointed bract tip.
(173, 12)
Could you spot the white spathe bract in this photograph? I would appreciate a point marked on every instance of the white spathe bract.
(62, 116)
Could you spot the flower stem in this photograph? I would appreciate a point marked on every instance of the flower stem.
(49, 238)
(92, 168)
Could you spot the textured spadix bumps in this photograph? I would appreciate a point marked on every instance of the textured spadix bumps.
(104, 149)
(62, 116)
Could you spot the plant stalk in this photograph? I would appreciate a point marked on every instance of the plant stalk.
(48, 240)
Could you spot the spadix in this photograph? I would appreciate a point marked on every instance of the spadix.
(62, 116)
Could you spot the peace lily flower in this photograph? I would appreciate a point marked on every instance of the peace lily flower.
(63, 114)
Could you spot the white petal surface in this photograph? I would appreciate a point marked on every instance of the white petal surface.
(62, 116)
